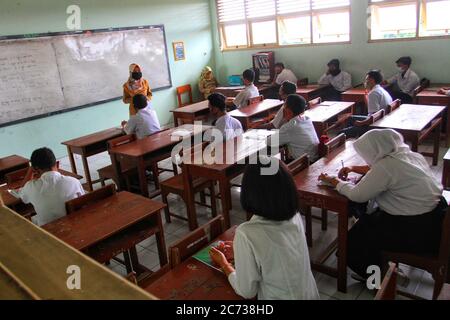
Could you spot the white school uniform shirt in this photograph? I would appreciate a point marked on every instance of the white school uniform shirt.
(143, 124)
(378, 98)
(299, 136)
(400, 181)
(406, 83)
(229, 127)
(48, 195)
(272, 261)
(342, 82)
(242, 98)
(286, 75)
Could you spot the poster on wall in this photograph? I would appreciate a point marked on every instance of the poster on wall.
(178, 51)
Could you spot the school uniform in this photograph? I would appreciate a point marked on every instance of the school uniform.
(242, 98)
(272, 261)
(143, 124)
(286, 75)
(48, 195)
(299, 136)
(409, 207)
(226, 127)
(340, 83)
(406, 82)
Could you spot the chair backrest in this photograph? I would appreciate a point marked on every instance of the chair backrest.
(388, 287)
(394, 105)
(121, 141)
(335, 144)
(89, 198)
(378, 115)
(255, 100)
(314, 102)
(299, 164)
(302, 82)
(372, 119)
(186, 89)
(195, 241)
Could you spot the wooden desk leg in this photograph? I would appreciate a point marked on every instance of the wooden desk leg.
(175, 120)
(161, 242)
(437, 142)
(72, 160)
(446, 174)
(415, 143)
(225, 198)
(142, 177)
(87, 173)
(189, 198)
(342, 250)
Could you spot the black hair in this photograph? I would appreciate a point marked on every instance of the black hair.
(140, 101)
(295, 103)
(279, 64)
(404, 60)
(249, 75)
(217, 100)
(43, 159)
(376, 76)
(288, 87)
(334, 62)
(273, 197)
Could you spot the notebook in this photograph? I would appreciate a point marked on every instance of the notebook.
(204, 257)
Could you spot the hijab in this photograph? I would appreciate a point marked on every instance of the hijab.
(132, 83)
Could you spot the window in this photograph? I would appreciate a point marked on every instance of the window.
(397, 19)
(261, 23)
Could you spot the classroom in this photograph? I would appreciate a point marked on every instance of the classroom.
(224, 150)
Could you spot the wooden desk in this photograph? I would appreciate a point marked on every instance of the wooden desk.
(313, 195)
(229, 161)
(190, 113)
(257, 110)
(358, 96)
(415, 123)
(110, 226)
(10, 164)
(194, 280)
(152, 149)
(323, 114)
(90, 145)
(312, 91)
(40, 261)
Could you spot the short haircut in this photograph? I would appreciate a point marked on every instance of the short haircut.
(376, 76)
(249, 75)
(43, 159)
(140, 101)
(334, 62)
(288, 87)
(279, 64)
(273, 197)
(217, 100)
(404, 60)
(296, 103)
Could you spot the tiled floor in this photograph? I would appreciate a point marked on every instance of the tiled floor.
(419, 283)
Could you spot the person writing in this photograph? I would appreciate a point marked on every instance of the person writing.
(135, 85)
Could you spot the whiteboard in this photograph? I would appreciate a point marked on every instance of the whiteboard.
(44, 75)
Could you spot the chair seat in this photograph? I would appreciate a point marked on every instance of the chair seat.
(109, 173)
(176, 182)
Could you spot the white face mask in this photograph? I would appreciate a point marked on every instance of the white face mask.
(400, 69)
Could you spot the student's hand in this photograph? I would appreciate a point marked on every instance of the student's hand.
(226, 247)
(218, 257)
(443, 91)
(326, 178)
(123, 123)
(343, 173)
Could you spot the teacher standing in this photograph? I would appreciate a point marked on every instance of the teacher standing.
(135, 85)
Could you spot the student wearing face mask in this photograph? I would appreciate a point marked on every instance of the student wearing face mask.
(405, 81)
(135, 85)
(339, 80)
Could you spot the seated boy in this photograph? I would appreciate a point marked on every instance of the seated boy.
(145, 122)
(298, 133)
(225, 125)
(444, 91)
(378, 99)
(250, 91)
(46, 189)
(405, 80)
(339, 80)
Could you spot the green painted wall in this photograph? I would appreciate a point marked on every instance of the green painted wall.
(431, 58)
(184, 20)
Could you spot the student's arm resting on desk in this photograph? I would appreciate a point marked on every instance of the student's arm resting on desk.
(130, 126)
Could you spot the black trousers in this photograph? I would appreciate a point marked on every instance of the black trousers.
(381, 231)
(404, 97)
(352, 131)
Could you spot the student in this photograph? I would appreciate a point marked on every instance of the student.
(410, 206)
(250, 91)
(405, 80)
(444, 91)
(340, 80)
(135, 85)
(287, 88)
(298, 132)
(145, 122)
(270, 251)
(378, 99)
(46, 189)
(228, 126)
(283, 74)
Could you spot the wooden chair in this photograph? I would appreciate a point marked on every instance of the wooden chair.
(437, 265)
(89, 198)
(424, 83)
(302, 82)
(394, 105)
(314, 103)
(255, 100)
(132, 278)
(371, 120)
(388, 287)
(15, 176)
(186, 89)
(299, 165)
(195, 241)
(175, 185)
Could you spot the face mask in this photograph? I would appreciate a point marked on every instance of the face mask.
(136, 75)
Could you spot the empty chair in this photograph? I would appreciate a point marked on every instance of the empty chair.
(394, 105)
(184, 90)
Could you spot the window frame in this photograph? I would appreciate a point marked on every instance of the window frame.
(277, 17)
(417, 37)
